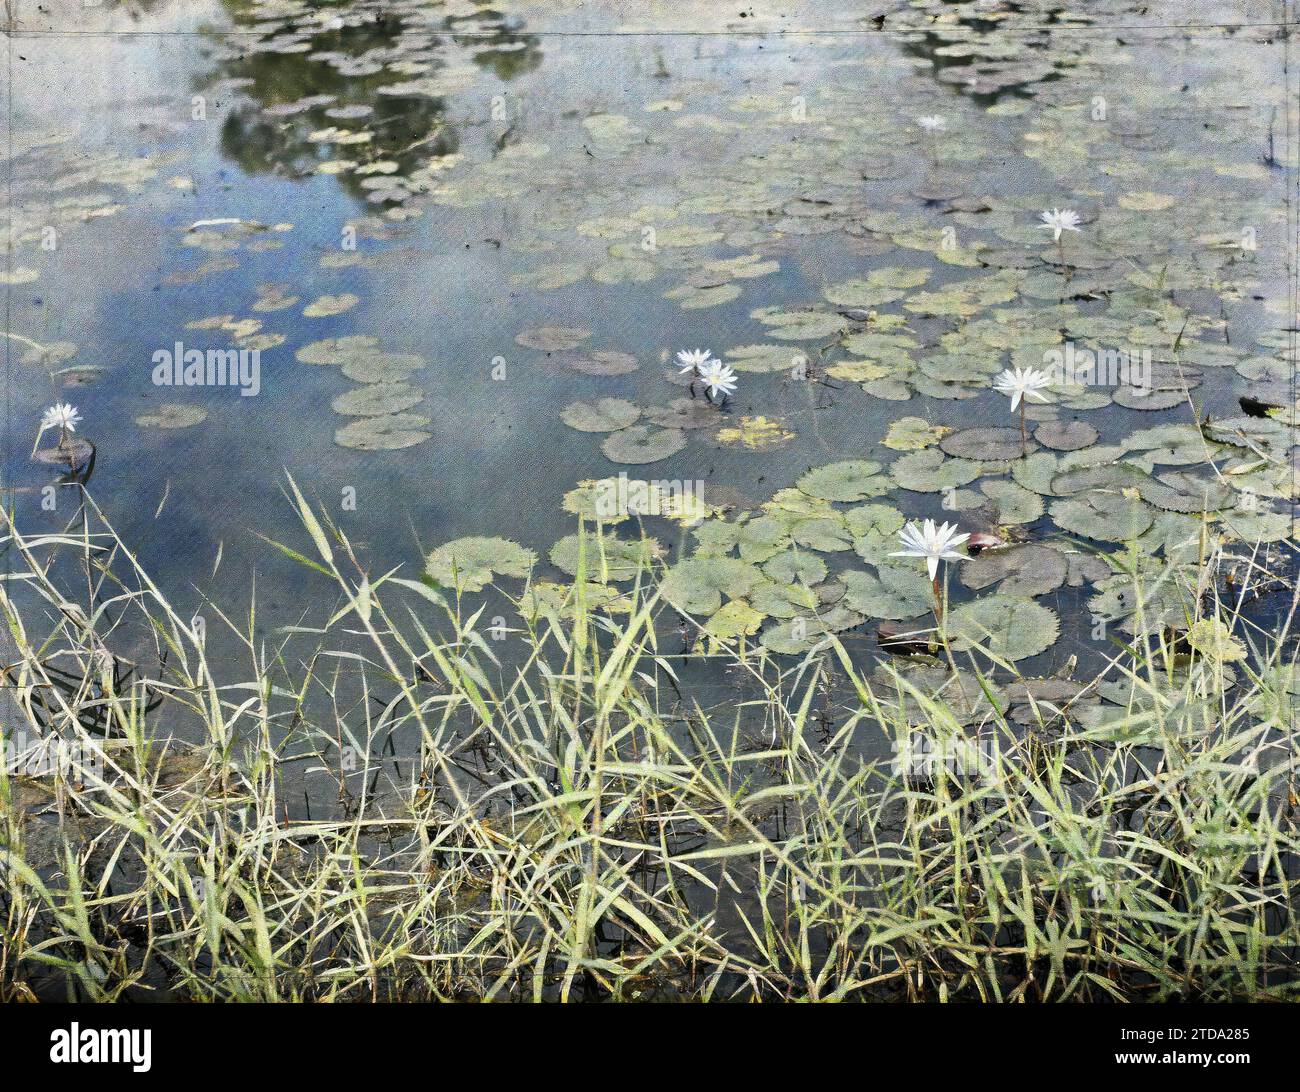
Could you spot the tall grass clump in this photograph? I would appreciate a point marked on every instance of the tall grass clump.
(390, 805)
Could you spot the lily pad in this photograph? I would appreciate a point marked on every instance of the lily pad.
(1105, 516)
(913, 434)
(173, 415)
(470, 564)
(851, 480)
(1023, 571)
(696, 586)
(603, 415)
(553, 339)
(642, 444)
(893, 593)
(1005, 626)
(607, 558)
(375, 399)
(387, 433)
(984, 443)
(1065, 435)
(930, 472)
(325, 306)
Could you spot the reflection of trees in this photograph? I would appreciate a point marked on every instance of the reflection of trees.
(1038, 58)
(503, 47)
(295, 95)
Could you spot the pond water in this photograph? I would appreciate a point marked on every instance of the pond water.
(511, 208)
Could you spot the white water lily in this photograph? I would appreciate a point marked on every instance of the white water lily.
(1059, 220)
(935, 544)
(692, 360)
(717, 376)
(62, 416)
(932, 123)
(1022, 383)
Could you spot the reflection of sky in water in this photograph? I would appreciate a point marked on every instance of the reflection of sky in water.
(499, 460)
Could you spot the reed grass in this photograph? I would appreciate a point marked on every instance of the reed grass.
(565, 822)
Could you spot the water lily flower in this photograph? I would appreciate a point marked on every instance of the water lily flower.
(1023, 383)
(1059, 220)
(935, 544)
(932, 123)
(62, 416)
(692, 360)
(717, 376)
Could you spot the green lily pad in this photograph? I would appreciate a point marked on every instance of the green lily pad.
(913, 434)
(607, 558)
(338, 350)
(734, 620)
(992, 443)
(1012, 503)
(1105, 516)
(874, 529)
(172, 415)
(687, 413)
(851, 480)
(1066, 435)
(325, 306)
(893, 593)
(804, 325)
(765, 358)
(1023, 571)
(642, 444)
(1007, 627)
(376, 399)
(387, 433)
(930, 472)
(553, 339)
(796, 567)
(696, 586)
(470, 564)
(603, 415)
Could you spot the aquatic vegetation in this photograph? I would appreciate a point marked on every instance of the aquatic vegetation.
(696, 672)
(487, 871)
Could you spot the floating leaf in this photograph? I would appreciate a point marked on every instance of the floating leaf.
(755, 434)
(1007, 627)
(913, 434)
(377, 398)
(387, 433)
(1012, 503)
(766, 358)
(324, 306)
(930, 472)
(603, 415)
(894, 593)
(607, 558)
(851, 480)
(1065, 435)
(470, 564)
(734, 620)
(642, 444)
(685, 413)
(1024, 571)
(1107, 517)
(696, 586)
(173, 415)
(553, 339)
(984, 443)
